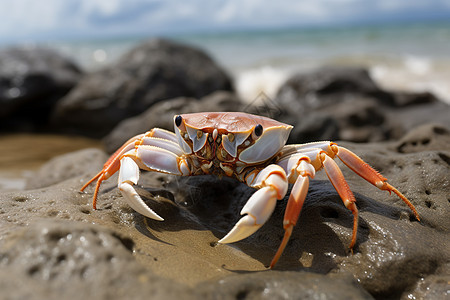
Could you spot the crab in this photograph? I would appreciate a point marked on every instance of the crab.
(250, 148)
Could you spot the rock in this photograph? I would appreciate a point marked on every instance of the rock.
(154, 71)
(57, 259)
(352, 104)
(306, 91)
(403, 99)
(395, 255)
(32, 80)
(416, 115)
(432, 287)
(67, 166)
(286, 285)
(161, 115)
(424, 138)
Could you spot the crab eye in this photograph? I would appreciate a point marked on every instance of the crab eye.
(257, 131)
(178, 120)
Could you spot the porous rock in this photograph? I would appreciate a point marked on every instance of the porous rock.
(54, 259)
(424, 138)
(153, 71)
(32, 80)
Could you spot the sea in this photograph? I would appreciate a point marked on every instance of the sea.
(401, 56)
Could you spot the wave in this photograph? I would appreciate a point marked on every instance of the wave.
(407, 73)
(415, 74)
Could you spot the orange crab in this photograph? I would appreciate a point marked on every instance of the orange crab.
(249, 148)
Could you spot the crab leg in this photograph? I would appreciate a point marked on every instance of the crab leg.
(148, 158)
(295, 203)
(340, 184)
(110, 167)
(361, 168)
(272, 184)
(164, 138)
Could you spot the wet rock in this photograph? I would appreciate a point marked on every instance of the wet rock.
(354, 105)
(161, 115)
(286, 285)
(32, 80)
(432, 287)
(154, 71)
(54, 259)
(395, 255)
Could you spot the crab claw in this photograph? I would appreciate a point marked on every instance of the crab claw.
(261, 204)
(128, 175)
(136, 203)
(258, 209)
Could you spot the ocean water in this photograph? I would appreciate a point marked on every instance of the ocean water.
(409, 57)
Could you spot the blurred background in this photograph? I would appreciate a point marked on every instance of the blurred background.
(404, 44)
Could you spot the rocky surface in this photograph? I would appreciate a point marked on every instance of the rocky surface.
(154, 71)
(31, 82)
(348, 100)
(55, 245)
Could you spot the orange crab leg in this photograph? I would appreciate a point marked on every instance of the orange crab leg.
(295, 204)
(111, 166)
(340, 184)
(361, 168)
(100, 176)
(293, 209)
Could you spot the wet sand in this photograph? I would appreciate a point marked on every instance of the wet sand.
(20, 154)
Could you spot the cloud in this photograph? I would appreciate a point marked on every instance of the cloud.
(30, 19)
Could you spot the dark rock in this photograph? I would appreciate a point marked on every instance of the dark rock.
(154, 71)
(404, 119)
(310, 128)
(329, 85)
(350, 101)
(31, 81)
(403, 99)
(161, 115)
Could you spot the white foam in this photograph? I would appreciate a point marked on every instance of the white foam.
(419, 66)
(265, 80)
(414, 74)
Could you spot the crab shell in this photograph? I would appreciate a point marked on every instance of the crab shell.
(246, 138)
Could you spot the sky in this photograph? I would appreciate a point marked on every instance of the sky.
(22, 20)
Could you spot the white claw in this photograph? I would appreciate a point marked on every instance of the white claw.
(258, 209)
(129, 174)
(244, 228)
(136, 203)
